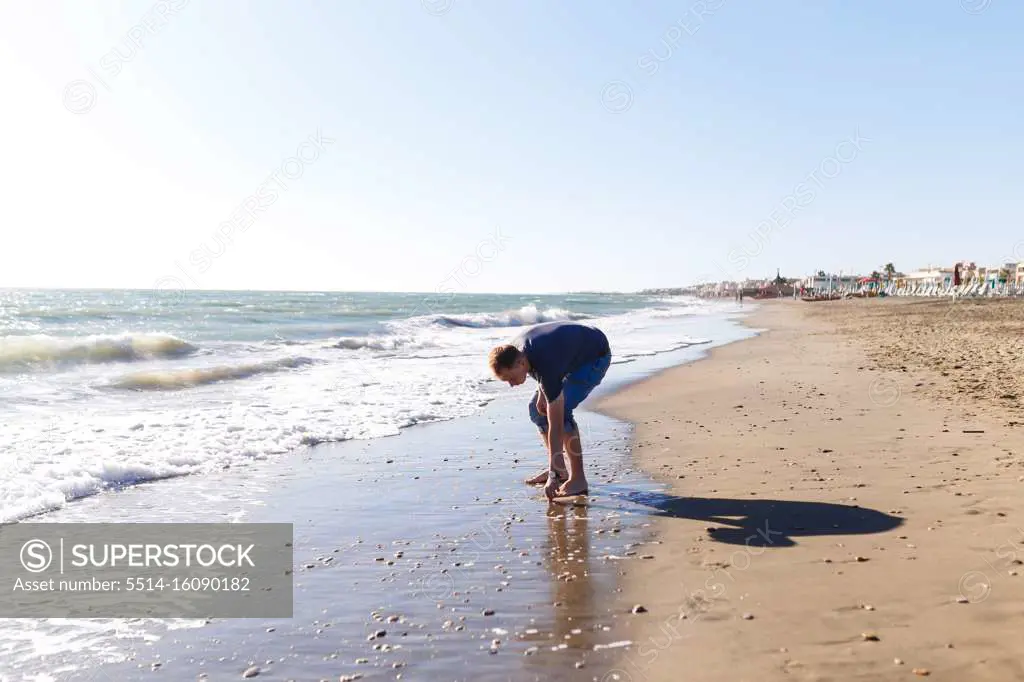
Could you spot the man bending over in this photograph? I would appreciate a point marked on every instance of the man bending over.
(568, 360)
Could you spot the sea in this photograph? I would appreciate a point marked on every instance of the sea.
(137, 405)
(102, 389)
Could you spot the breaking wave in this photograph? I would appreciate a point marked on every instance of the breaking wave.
(178, 379)
(527, 315)
(379, 342)
(24, 353)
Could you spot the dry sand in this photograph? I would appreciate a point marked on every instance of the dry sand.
(861, 461)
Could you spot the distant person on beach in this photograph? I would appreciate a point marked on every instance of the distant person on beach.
(568, 360)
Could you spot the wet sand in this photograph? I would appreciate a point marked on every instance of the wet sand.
(844, 499)
(422, 556)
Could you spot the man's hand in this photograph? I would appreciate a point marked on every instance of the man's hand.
(551, 486)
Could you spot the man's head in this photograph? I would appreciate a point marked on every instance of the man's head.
(509, 364)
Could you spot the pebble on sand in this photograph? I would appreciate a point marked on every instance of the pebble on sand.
(869, 637)
(748, 616)
(639, 608)
(251, 672)
(923, 672)
(488, 612)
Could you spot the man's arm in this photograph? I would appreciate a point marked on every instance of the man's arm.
(556, 413)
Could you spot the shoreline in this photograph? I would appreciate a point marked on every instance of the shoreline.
(817, 508)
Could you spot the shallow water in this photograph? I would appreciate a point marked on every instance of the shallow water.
(461, 532)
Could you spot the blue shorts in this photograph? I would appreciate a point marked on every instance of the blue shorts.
(576, 387)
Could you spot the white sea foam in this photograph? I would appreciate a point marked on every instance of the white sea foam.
(392, 342)
(525, 316)
(189, 378)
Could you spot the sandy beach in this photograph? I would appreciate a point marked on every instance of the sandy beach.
(844, 499)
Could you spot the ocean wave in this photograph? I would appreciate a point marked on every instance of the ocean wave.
(664, 313)
(380, 342)
(525, 316)
(178, 379)
(21, 353)
(32, 494)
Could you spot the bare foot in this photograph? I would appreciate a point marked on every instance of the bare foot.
(573, 487)
(539, 479)
(542, 478)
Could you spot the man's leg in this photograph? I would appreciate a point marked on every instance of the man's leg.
(576, 388)
(577, 483)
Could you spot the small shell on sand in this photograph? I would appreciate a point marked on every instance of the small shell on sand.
(923, 672)
(869, 637)
(251, 672)
(639, 608)
(748, 616)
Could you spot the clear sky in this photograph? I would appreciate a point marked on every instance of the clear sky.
(527, 146)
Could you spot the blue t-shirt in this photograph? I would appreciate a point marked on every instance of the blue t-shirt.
(556, 349)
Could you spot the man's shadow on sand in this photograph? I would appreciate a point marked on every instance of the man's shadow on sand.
(762, 523)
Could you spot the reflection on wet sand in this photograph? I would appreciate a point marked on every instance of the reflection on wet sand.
(569, 563)
(578, 618)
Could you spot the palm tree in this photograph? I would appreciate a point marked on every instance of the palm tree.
(890, 271)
